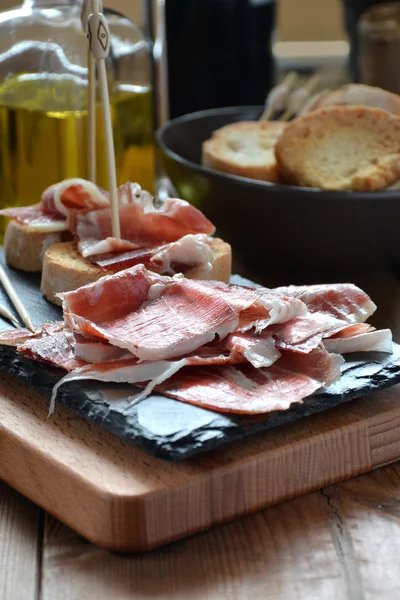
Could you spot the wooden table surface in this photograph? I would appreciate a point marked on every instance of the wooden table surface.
(342, 542)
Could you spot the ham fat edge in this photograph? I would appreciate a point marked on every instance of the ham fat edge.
(223, 347)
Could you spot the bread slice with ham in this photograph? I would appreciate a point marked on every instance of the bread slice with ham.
(64, 269)
(168, 238)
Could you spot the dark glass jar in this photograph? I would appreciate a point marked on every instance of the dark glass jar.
(379, 34)
(353, 10)
(219, 53)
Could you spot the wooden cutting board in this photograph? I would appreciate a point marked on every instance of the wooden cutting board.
(120, 498)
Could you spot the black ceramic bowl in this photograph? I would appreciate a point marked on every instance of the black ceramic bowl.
(301, 232)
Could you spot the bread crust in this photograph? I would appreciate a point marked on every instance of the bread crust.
(356, 94)
(64, 269)
(245, 149)
(341, 148)
(25, 247)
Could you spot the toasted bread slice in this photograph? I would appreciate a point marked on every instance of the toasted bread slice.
(356, 94)
(25, 246)
(341, 148)
(64, 269)
(245, 149)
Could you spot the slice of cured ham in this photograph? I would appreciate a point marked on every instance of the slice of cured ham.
(373, 341)
(50, 343)
(258, 350)
(110, 298)
(303, 334)
(15, 337)
(34, 217)
(51, 213)
(300, 329)
(173, 317)
(344, 301)
(84, 209)
(109, 246)
(74, 195)
(55, 349)
(92, 350)
(244, 389)
(187, 252)
(126, 371)
(261, 386)
(183, 319)
(141, 221)
(176, 257)
(258, 307)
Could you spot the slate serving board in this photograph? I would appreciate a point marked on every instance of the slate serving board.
(166, 428)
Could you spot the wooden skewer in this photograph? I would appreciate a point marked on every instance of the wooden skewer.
(4, 312)
(91, 119)
(12, 294)
(278, 96)
(161, 65)
(99, 44)
(87, 9)
(299, 97)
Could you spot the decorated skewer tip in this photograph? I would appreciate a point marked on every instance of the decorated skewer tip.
(98, 35)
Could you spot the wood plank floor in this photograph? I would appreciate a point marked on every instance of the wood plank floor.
(340, 543)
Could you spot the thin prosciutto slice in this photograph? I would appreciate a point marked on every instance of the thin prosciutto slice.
(141, 221)
(84, 209)
(305, 333)
(177, 257)
(183, 319)
(371, 341)
(50, 343)
(15, 337)
(51, 213)
(108, 246)
(260, 386)
(244, 389)
(259, 350)
(162, 317)
(258, 307)
(92, 350)
(126, 371)
(344, 301)
(55, 349)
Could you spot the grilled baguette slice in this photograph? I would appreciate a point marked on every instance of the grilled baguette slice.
(246, 149)
(341, 148)
(64, 269)
(25, 246)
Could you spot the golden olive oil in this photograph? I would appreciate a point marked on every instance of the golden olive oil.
(43, 136)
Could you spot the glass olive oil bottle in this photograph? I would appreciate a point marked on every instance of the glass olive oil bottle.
(43, 103)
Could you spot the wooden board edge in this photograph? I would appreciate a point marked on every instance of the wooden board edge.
(324, 449)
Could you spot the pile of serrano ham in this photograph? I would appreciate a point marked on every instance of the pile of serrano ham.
(225, 347)
(169, 238)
